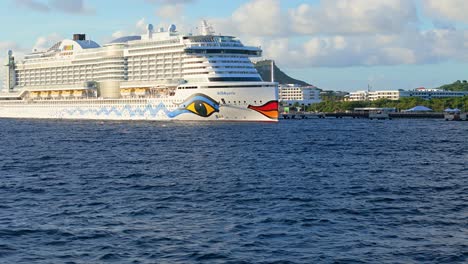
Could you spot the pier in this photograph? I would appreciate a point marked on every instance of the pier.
(310, 115)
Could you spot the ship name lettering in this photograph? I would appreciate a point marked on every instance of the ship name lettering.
(226, 93)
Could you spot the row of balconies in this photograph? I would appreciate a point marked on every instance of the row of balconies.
(154, 51)
(82, 78)
(225, 65)
(153, 71)
(155, 64)
(115, 67)
(54, 70)
(156, 43)
(154, 78)
(216, 44)
(154, 74)
(54, 77)
(156, 57)
(67, 73)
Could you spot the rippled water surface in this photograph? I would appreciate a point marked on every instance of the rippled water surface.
(303, 191)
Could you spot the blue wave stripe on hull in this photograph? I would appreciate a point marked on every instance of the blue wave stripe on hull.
(131, 111)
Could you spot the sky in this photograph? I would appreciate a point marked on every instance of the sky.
(341, 45)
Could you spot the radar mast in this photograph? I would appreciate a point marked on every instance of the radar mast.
(206, 29)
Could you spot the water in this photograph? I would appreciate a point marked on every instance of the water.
(303, 191)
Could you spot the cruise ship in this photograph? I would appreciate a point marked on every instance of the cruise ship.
(160, 75)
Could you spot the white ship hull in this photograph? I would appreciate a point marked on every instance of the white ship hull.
(211, 104)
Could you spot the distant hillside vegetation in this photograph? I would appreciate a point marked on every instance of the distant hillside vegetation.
(456, 86)
(264, 68)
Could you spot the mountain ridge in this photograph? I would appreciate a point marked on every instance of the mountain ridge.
(264, 69)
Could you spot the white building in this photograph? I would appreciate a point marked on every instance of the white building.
(376, 95)
(292, 93)
(427, 94)
(398, 94)
(358, 96)
(389, 95)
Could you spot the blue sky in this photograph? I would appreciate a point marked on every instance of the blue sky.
(334, 44)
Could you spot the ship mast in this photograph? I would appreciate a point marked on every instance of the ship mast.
(272, 71)
(10, 78)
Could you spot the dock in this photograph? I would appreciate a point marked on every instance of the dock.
(354, 115)
(301, 115)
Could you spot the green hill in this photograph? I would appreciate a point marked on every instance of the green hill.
(264, 69)
(456, 86)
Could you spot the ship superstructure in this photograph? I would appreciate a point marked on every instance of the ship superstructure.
(159, 75)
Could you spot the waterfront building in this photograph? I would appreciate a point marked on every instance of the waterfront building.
(389, 95)
(304, 95)
(423, 93)
(375, 95)
(427, 94)
(358, 96)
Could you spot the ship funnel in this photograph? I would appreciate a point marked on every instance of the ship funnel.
(79, 37)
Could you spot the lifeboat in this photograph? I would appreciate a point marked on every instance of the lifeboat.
(78, 93)
(55, 94)
(126, 92)
(141, 91)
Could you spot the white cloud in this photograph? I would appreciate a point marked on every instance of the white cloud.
(343, 33)
(45, 42)
(266, 18)
(141, 26)
(33, 5)
(118, 34)
(257, 18)
(71, 6)
(453, 10)
(353, 17)
(173, 11)
(67, 6)
(262, 17)
(169, 2)
(409, 47)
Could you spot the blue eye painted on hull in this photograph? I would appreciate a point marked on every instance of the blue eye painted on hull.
(199, 104)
